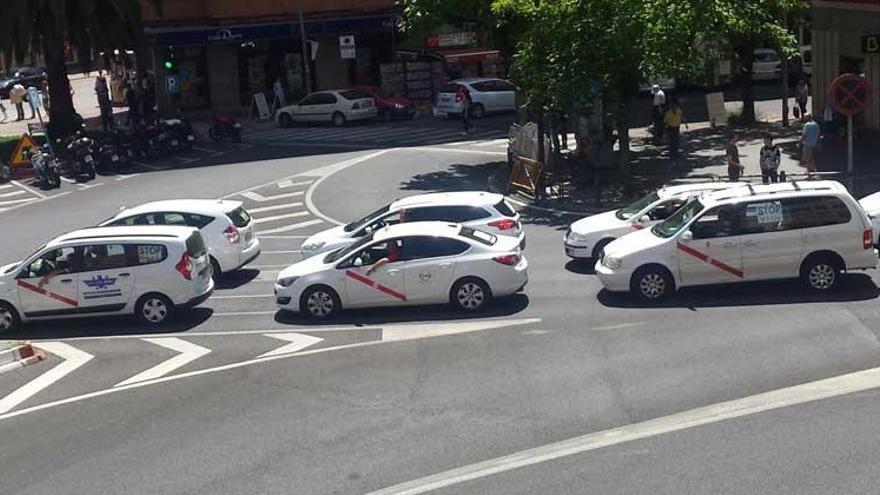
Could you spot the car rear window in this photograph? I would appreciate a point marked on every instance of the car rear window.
(505, 209)
(195, 245)
(146, 254)
(354, 94)
(451, 88)
(239, 217)
(478, 235)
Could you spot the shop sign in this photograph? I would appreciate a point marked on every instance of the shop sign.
(447, 40)
(871, 43)
(172, 84)
(223, 35)
(347, 47)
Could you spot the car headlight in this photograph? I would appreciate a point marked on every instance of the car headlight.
(287, 281)
(574, 236)
(612, 262)
(313, 246)
(398, 106)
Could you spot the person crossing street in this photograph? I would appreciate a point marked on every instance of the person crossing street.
(770, 157)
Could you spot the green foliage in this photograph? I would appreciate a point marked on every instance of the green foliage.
(424, 17)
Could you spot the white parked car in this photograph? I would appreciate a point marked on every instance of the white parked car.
(487, 95)
(481, 210)
(586, 238)
(336, 106)
(766, 65)
(406, 264)
(871, 205)
(225, 226)
(812, 230)
(146, 271)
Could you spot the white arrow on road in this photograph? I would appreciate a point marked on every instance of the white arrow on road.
(297, 343)
(189, 352)
(412, 331)
(255, 196)
(72, 357)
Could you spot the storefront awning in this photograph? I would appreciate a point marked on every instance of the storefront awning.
(467, 55)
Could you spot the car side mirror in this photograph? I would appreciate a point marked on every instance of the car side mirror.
(645, 219)
(358, 262)
(686, 236)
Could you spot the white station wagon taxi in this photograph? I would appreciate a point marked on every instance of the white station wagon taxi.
(812, 230)
(406, 264)
(147, 271)
(586, 238)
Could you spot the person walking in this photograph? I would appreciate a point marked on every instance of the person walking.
(734, 167)
(801, 95)
(16, 97)
(133, 104)
(466, 103)
(3, 109)
(44, 93)
(809, 141)
(769, 158)
(673, 120)
(102, 89)
(658, 112)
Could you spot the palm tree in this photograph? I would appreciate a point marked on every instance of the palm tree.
(85, 24)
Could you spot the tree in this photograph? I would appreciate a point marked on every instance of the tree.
(50, 24)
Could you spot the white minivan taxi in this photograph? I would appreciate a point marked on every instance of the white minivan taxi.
(226, 227)
(481, 210)
(145, 271)
(813, 230)
(406, 264)
(587, 237)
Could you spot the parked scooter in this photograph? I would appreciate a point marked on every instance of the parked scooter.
(175, 135)
(80, 157)
(225, 127)
(46, 167)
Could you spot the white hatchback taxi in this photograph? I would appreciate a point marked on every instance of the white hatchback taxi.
(812, 230)
(225, 225)
(146, 271)
(586, 238)
(481, 210)
(407, 264)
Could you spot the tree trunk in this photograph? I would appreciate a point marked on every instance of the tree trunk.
(621, 121)
(64, 120)
(542, 131)
(747, 55)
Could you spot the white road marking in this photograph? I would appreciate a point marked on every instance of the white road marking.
(5, 186)
(493, 142)
(243, 296)
(29, 189)
(13, 193)
(274, 207)
(426, 330)
(17, 201)
(297, 342)
(289, 183)
(221, 333)
(460, 150)
(275, 218)
(73, 359)
(206, 371)
(288, 228)
(292, 251)
(189, 352)
(327, 170)
(284, 237)
(69, 181)
(255, 196)
(620, 325)
(150, 166)
(246, 313)
(123, 177)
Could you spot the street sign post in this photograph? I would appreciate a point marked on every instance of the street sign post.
(849, 94)
(347, 49)
(172, 84)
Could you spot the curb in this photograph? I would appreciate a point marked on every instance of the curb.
(19, 357)
(555, 211)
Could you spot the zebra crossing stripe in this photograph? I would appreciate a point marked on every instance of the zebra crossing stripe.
(288, 228)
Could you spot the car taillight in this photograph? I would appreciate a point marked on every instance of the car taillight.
(868, 239)
(459, 97)
(507, 259)
(505, 224)
(231, 234)
(185, 266)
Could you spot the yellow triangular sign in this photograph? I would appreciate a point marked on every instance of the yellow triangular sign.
(25, 143)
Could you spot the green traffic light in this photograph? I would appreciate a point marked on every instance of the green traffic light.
(169, 64)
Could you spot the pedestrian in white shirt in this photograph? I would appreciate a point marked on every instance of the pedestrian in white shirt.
(16, 97)
(659, 110)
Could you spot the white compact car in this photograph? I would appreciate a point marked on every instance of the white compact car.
(480, 210)
(586, 238)
(406, 264)
(147, 271)
(766, 65)
(332, 106)
(812, 230)
(871, 205)
(487, 95)
(225, 226)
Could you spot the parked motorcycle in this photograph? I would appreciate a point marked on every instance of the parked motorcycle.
(225, 127)
(79, 157)
(175, 135)
(46, 168)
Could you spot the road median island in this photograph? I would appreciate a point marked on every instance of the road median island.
(18, 355)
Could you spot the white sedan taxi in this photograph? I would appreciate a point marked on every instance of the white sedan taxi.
(406, 264)
(586, 238)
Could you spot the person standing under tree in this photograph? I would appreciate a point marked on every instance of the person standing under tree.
(657, 113)
(673, 120)
(770, 157)
(809, 141)
(734, 167)
(801, 95)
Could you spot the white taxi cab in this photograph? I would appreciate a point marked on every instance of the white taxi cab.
(481, 210)
(812, 230)
(146, 271)
(406, 264)
(586, 237)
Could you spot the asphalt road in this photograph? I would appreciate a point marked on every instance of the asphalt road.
(384, 397)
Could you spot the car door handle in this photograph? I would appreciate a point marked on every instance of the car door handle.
(445, 265)
(66, 280)
(124, 274)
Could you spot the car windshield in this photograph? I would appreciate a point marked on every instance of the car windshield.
(766, 57)
(627, 212)
(679, 219)
(357, 224)
(340, 253)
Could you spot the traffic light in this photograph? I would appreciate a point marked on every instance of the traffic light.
(170, 63)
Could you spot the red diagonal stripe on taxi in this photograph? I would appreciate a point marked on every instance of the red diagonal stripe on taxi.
(712, 261)
(40, 290)
(379, 287)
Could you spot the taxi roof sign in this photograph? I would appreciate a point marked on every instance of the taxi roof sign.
(25, 143)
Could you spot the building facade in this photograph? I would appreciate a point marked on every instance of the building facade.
(846, 38)
(222, 52)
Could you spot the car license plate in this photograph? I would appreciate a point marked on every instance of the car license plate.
(174, 142)
(115, 158)
(190, 138)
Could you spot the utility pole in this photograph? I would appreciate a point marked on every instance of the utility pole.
(307, 56)
(784, 66)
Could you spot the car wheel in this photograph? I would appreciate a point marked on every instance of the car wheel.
(216, 272)
(822, 273)
(599, 249)
(652, 283)
(470, 294)
(387, 115)
(285, 120)
(320, 302)
(154, 309)
(338, 119)
(9, 320)
(478, 111)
